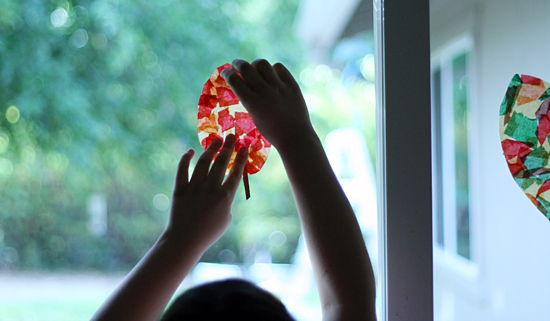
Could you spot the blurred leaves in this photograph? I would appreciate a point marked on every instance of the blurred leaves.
(100, 97)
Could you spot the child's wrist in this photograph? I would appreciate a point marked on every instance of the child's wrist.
(299, 142)
(181, 241)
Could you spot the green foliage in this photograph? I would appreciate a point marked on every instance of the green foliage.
(100, 97)
(334, 103)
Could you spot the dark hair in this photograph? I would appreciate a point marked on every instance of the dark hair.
(233, 298)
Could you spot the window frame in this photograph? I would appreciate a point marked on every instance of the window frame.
(446, 255)
(402, 46)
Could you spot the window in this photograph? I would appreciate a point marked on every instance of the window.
(451, 148)
(99, 102)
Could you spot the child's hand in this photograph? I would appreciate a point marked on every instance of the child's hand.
(200, 214)
(201, 206)
(273, 98)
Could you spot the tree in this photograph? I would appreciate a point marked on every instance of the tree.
(100, 97)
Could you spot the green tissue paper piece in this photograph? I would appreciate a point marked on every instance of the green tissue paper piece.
(526, 182)
(522, 128)
(545, 95)
(543, 177)
(536, 159)
(545, 205)
(511, 95)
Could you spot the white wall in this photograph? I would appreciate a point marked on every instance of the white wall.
(513, 240)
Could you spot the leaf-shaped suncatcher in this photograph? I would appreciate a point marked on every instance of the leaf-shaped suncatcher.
(524, 129)
(221, 113)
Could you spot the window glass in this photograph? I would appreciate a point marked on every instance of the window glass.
(450, 150)
(437, 176)
(460, 116)
(98, 103)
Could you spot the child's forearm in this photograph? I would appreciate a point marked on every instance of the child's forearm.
(339, 257)
(338, 254)
(199, 215)
(146, 290)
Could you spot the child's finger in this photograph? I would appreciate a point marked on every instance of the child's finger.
(239, 87)
(285, 75)
(182, 176)
(217, 172)
(203, 164)
(265, 69)
(250, 75)
(234, 177)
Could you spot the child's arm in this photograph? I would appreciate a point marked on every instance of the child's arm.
(199, 216)
(341, 264)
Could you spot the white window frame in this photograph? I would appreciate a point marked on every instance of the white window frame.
(402, 42)
(446, 256)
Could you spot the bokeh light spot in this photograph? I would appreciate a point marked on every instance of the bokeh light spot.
(277, 238)
(28, 155)
(227, 256)
(175, 51)
(59, 17)
(6, 166)
(11, 255)
(313, 102)
(161, 202)
(367, 67)
(32, 18)
(12, 114)
(79, 38)
(4, 142)
(307, 77)
(57, 161)
(323, 73)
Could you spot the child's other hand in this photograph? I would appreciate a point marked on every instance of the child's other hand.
(201, 206)
(273, 98)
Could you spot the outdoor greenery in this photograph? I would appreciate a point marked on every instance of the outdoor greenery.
(99, 98)
(98, 101)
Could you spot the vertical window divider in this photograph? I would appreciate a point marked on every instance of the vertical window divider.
(402, 45)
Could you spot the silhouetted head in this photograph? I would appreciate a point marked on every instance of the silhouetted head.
(231, 299)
